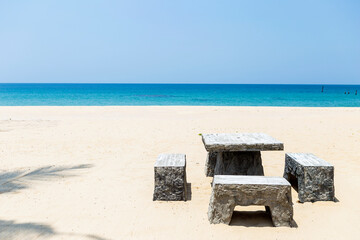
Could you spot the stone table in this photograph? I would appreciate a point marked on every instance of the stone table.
(237, 153)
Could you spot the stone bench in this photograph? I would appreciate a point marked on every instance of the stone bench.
(311, 176)
(170, 177)
(229, 191)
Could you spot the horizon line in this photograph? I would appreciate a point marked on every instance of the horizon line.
(183, 83)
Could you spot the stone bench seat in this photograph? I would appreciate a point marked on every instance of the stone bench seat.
(229, 191)
(311, 176)
(170, 177)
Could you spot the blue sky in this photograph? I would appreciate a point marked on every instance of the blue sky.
(208, 41)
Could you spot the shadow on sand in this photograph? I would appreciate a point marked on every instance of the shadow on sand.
(11, 230)
(15, 180)
(251, 219)
(254, 219)
(188, 192)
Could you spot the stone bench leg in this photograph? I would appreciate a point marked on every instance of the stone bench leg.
(221, 209)
(239, 163)
(281, 215)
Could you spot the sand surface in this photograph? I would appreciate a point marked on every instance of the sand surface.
(87, 172)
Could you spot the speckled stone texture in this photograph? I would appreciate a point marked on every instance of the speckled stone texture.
(239, 163)
(229, 191)
(311, 176)
(210, 164)
(170, 178)
(234, 163)
(227, 142)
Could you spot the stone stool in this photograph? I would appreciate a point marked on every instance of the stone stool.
(170, 177)
(311, 176)
(229, 191)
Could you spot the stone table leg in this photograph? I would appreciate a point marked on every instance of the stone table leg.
(239, 163)
(210, 164)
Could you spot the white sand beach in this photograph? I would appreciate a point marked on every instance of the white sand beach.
(87, 172)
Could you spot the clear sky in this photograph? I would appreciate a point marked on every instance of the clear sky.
(254, 41)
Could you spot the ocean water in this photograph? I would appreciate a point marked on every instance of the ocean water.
(179, 94)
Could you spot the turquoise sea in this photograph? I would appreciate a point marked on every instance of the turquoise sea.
(179, 94)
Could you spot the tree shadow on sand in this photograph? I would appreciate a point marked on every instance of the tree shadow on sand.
(15, 180)
(11, 230)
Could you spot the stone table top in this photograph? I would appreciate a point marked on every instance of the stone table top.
(249, 180)
(219, 142)
(171, 160)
